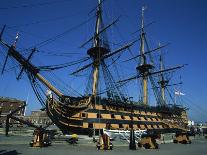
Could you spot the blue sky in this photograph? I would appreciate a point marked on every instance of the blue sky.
(182, 23)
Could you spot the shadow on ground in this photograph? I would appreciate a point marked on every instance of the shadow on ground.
(4, 152)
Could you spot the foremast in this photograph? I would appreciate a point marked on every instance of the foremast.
(97, 51)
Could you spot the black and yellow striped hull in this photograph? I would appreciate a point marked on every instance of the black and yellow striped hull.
(118, 117)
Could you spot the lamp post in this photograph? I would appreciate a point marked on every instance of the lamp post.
(132, 144)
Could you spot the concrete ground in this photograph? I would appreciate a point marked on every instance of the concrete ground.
(14, 145)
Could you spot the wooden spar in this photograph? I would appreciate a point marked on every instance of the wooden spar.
(31, 68)
(48, 85)
(143, 62)
(97, 58)
(95, 79)
(163, 82)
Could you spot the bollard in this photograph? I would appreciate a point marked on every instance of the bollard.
(104, 143)
(182, 138)
(148, 141)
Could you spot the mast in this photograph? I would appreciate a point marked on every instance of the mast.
(30, 68)
(98, 19)
(163, 82)
(143, 61)
(143, 67)
(96, 44)
(97, 51)
(100, 51)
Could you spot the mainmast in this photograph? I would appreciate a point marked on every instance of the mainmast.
(143, 67)
(100, 51)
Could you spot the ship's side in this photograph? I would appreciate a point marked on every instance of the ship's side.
(118, 117)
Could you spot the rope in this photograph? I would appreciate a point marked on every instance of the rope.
(34, 5)
(41, 44)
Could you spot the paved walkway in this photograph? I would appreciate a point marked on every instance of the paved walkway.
(14, 145)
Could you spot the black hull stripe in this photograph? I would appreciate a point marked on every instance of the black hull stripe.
(111, 121)
(119, 113)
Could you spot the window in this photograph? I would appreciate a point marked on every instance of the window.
(120, 125)
(90, 125)
(108, 125)
(112, 116)
(83, 115)
(99, 115)
(130, 126)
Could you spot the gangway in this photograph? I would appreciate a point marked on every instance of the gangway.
(125, 134)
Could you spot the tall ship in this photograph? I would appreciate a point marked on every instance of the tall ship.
(107, 108)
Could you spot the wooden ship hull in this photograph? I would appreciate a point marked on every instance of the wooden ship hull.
(118, 117)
